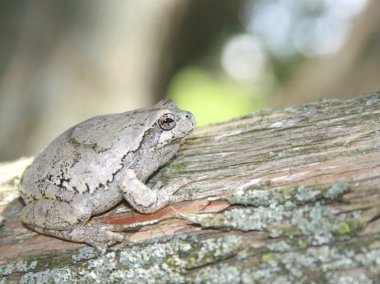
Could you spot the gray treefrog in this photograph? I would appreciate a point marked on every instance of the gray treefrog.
(92, 166)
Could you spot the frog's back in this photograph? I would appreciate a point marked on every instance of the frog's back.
(86, 157)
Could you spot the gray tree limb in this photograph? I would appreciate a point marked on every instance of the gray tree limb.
(280, 196)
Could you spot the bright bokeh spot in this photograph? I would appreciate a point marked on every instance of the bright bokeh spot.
(211, 99)
(243, 58)
(311, 27)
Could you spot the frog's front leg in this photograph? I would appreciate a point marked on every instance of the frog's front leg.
(68, 221)
(146, 200)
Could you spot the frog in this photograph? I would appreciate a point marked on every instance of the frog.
(95, 165)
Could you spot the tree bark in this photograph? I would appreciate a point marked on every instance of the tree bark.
(280, 196)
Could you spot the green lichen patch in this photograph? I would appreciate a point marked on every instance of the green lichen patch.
(176, 256)
(267, 257)
(56, 275)
(166, 261)
(243, 219)
(321, 226)
(287, 212)
(17, 266)
(281, 262)
(281, 195)
(316, 222)
(349, 227)
(177, 167)
(84, 254)
(335, 191)
(33, 264)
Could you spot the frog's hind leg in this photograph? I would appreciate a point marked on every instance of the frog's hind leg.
(98, 236)
(54, 214)
(68, 221)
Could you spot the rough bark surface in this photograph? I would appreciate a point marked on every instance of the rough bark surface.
(280, 196)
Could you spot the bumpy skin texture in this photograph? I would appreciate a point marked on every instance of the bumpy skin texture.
(94, 165)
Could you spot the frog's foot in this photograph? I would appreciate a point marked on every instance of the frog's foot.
(110, 237)
(100, 236)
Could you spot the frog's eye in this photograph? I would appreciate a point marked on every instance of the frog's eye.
(166, 122)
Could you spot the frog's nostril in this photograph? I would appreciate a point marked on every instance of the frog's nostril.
(188, 115)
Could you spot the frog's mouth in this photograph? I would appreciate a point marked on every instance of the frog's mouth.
(184, 134)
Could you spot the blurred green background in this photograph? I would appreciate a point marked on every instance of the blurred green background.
(64, 61)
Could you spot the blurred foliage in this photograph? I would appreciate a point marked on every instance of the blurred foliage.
(213, 98)
(284, 67)
(275, 39)
(64, 61)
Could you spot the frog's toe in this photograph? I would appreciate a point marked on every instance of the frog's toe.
(106, 239)
(102, 248)
(117, 237)
(108, 233)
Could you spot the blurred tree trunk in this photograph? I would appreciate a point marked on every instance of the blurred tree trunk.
(286, 196)
(351, 71)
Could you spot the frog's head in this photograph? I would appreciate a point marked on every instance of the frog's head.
(172, 123)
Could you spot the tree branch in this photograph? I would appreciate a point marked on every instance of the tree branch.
(286, 195)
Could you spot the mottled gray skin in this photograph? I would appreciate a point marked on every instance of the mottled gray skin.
(91, 167)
